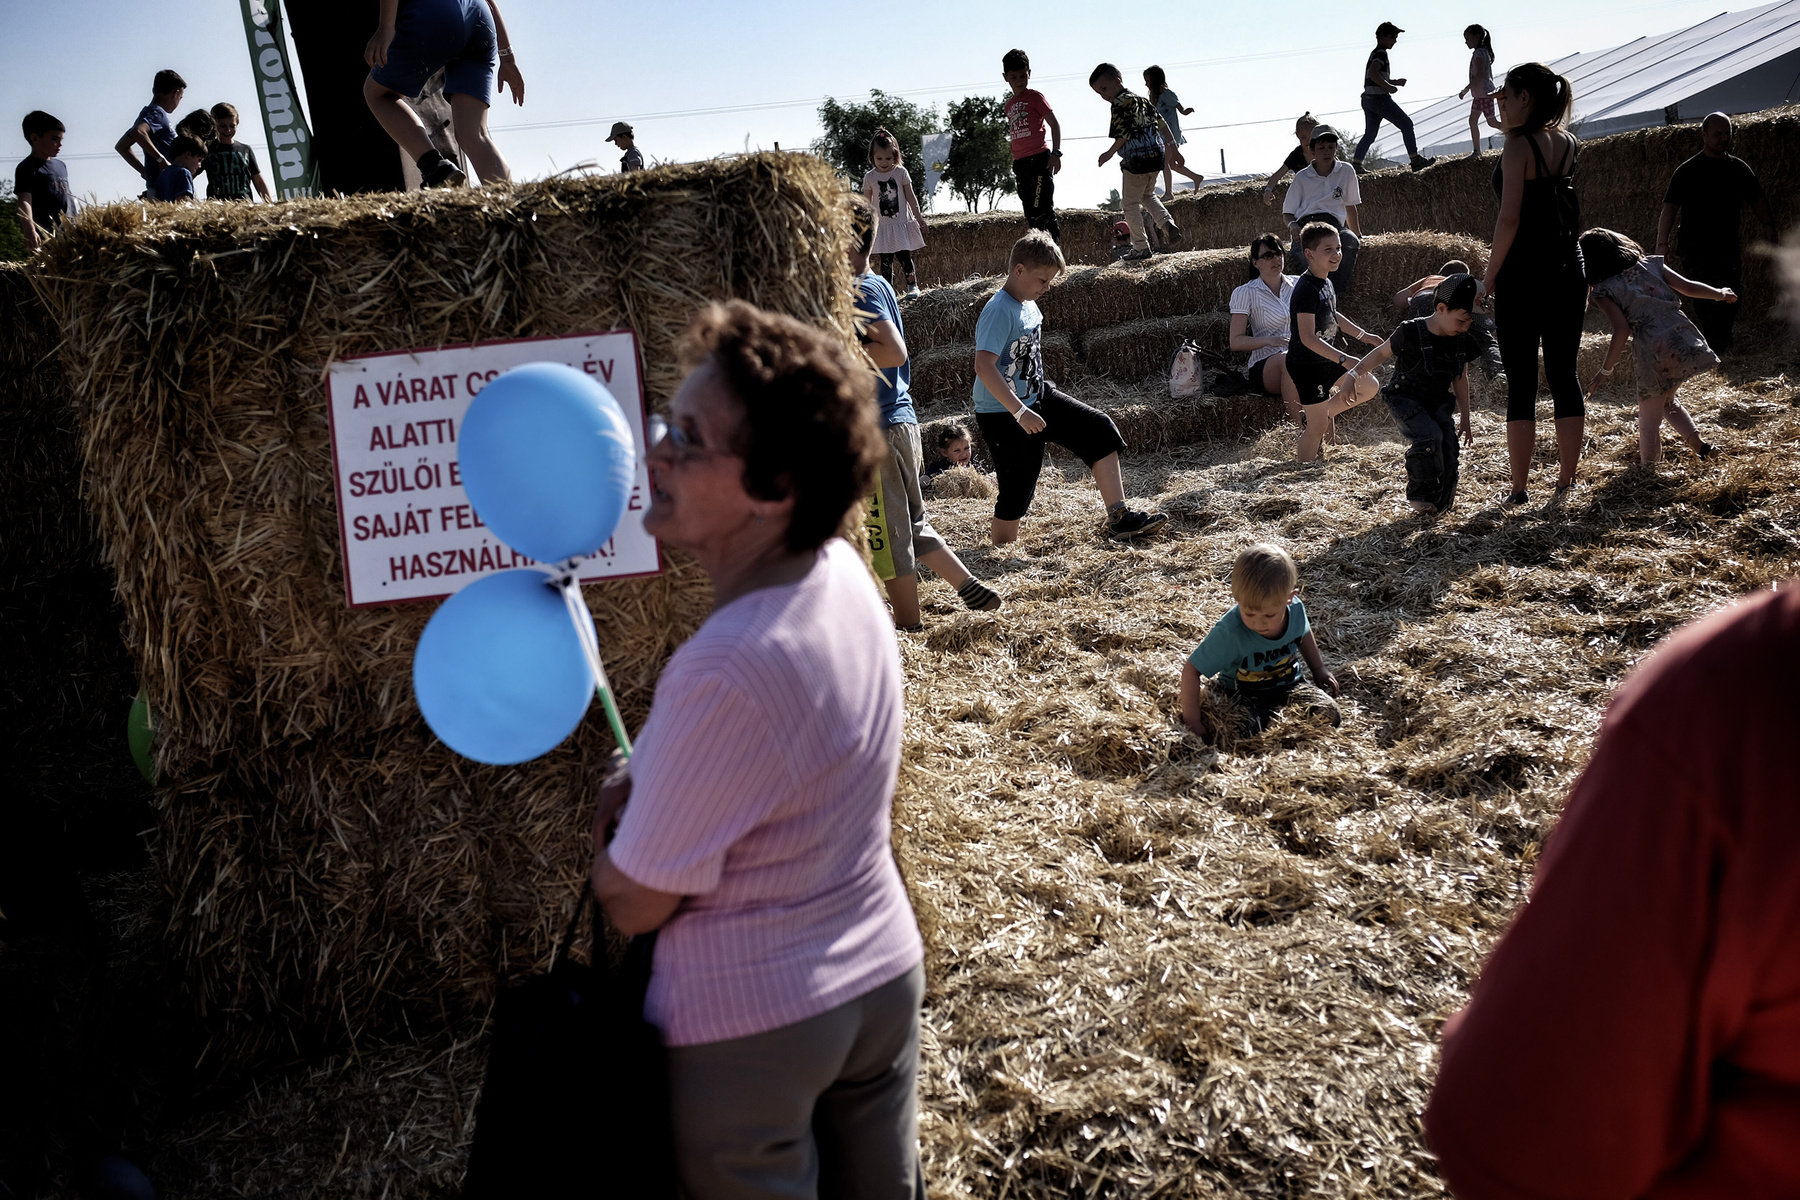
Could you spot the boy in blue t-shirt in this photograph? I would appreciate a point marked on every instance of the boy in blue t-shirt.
(1018, 410)
(1255, 649)
(900, 536)
(186, 159)
(154, 129)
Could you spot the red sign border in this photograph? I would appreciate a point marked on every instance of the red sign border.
(337, 471)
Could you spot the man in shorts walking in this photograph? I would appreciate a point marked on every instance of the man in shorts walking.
(467, 40)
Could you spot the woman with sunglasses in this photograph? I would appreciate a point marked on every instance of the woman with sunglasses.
(753, 822)
(1259, 322)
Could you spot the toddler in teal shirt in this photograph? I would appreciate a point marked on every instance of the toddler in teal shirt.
(1254, 651)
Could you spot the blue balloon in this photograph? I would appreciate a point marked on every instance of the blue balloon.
(499, 671)
(548, 460)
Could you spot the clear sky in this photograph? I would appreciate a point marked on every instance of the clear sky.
(709, 77)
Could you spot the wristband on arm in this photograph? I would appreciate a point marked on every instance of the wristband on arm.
(1019, 412)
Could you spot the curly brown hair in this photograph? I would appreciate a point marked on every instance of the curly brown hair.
(809, 426)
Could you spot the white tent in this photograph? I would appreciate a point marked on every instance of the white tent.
(1736, 62)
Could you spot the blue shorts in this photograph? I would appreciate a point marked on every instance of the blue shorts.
(457, 35)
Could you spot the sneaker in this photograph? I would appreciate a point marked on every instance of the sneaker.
(1516, 499)
(1172, 232)
(1139, 255)
(912, 289)
(1420, 162)
(1130, 523)
(442, 173)
(919, 628)
(979, 596)
(1707, 450)
(1357, 166)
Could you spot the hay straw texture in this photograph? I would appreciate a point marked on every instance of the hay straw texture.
(40, 448)
(1187, 285)
(65, 681)
(1164, 968)
(1621, 181)
(328, 863)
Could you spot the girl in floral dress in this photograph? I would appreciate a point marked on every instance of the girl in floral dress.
(1641, 296)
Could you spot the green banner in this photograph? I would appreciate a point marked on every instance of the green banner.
(292, 172)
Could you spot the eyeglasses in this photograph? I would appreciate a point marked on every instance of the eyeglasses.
(657, 428)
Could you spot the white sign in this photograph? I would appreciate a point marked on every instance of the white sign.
(935, 149)
(409, 532)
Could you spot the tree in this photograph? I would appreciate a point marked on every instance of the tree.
(1113, 203)
(848, 128)
(12, 238)
(980, 166)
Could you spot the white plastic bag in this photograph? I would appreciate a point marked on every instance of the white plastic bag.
(1185, 381)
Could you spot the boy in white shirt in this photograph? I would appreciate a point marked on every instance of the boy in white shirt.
(1326, 190)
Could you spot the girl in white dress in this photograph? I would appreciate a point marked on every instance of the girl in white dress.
(899, 225)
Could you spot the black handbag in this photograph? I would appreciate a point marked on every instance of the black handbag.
(576, 1097)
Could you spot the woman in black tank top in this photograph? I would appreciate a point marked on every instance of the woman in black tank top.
(1534, 282)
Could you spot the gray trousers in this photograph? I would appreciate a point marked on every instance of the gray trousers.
(826, 1107)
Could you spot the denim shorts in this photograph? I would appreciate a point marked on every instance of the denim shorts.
(457, 35)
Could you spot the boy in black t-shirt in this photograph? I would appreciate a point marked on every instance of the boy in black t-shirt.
(40, 182)
(1314, 362)
(231, 167)
(1432, 356)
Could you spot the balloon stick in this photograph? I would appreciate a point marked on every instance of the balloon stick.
(590, 646)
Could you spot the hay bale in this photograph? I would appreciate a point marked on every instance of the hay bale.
(40, 445)
(943, 316)
(946, 375)
(66, 683)
(1139, 350)
(1621, 182)
(328, 864)
(962, 483)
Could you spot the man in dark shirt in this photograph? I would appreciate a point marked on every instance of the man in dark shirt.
(1709, 190)
(40, 182)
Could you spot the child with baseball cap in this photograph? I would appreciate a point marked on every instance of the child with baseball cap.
(1432, 356)
(622, 137)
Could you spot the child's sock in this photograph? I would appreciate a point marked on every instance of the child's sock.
(978, 595)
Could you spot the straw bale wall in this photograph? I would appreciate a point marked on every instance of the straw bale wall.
(1621, 180)
(1124, 320)
(328, 864)
(74, 799)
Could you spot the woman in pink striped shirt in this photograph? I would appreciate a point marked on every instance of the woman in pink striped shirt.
(788, 972)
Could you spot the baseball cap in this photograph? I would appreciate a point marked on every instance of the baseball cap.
(1387, 27)
(1457, 292)
(1322, 133)
(620, 127)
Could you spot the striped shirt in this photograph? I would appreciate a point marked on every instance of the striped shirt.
(761, 790)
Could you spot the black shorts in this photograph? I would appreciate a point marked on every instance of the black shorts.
(1083, 431)
(1259, 374)
(1313, 376)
